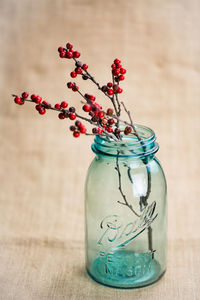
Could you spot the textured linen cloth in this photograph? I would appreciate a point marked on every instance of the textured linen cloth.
(43, 167)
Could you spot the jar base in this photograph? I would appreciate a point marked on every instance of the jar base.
(126, 269)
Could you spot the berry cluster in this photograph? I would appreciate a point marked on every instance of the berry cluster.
(105, 122)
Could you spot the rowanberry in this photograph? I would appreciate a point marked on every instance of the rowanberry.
(117, 131)
(110, 92)
(61, 116)
(118, 66)
(121, 77)
(69, 46)
(73, 74)
(109, 129)
(62, 54)
(110, 112)
(38, 107)
(42, 111)
(104, 121)
(119, 90)
(100, 130)
(57, 106)
(25, 95)
(127, 130)
(113, 66)
(64, 104)
(72, 128)
(123, 71)
(84, 67)
(111, 122)
(72, 116)
(117, 61)
(95, 130)
(60, 49)
(87, 107)
(78, 123)
(104, 88)
(92, 98)
(109, 84)
(69, 85)
(78, 70)
(37, 99)
(101, 114)
(76, 54)
(82, 130)
(116, 72)
(76, 134)
(75, 88)
(33, 96)
(18, 100)
(72, 109)
(69, 54)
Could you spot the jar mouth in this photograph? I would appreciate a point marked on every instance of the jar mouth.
(130, 145)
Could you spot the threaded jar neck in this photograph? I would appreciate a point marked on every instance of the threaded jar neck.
(130, 145)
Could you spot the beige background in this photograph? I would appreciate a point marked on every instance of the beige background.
(43, 168)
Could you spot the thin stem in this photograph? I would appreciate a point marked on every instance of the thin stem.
(120, 187)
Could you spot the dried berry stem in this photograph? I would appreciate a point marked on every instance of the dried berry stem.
(120, 187)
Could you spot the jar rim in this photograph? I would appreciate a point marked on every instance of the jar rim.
(130, 145)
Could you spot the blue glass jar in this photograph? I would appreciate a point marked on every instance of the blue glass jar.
(126, 212)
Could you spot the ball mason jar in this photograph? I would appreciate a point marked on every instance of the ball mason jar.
(126, 212)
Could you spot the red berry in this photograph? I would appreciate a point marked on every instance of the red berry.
(69, 46)
(46, 103)
(33, 96)
(121, 77)
(111, 121)
(76, 134)
(76, 54)
(110, 92)
(75, 88)
(116, 72)
(70, 85)
(100, 130)
(82, 130)
(60, 49)
(42, 111)
(113, 66)
(87, 107)
(117, 61)
(38, 107)
(119, 90)
(73, 74)
(104, 121)
(110, 111)
(92, 98)
(109, 84)
(72, 116)
(84, 67)
(57, 106)
(123, 71)
(118, 66)
(101, 114)
(117, 131)
(78, 123)
(37, 99)
(62, 54)
(64, 104)
(25, 95)
(61, 116)
(18, 100)
(109, 129)
(104, 88)
(69, 54)
(72, 109)
(127, 130)
(78, 70)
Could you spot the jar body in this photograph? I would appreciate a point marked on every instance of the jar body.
(126, 232)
